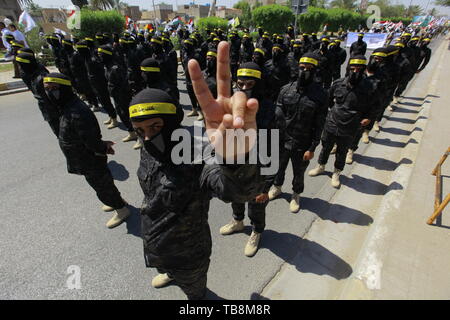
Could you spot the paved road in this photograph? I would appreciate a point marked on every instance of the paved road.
(52, 220)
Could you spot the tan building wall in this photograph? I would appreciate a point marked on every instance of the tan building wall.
(50, 15)
(133, 12)
(222, 12)
(10, 9)
(197, 11)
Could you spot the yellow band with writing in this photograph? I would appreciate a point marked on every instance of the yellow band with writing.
(249, 73)
(156, 41)
(309, 60)
(379, 54)
(399, 44)
(426, 39)
(15, 44)
(145, 109)
(105, 51)
(357, 61)
(81, 46)
(150, 69)
(393, 52)
(19, 59)
(57, 80)
(189, 42)
(88, 39)
(67, 42)
(211, 53)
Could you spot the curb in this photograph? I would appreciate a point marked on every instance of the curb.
(8, 86)
(368, 266)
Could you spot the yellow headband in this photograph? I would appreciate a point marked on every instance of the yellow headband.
(357, 61)
(211, 53)
(249, 73)
(57, 80)
(156, 41)
(309, 60)
(393, 52)
(361, 35)
(216, 39)
(15, 44)
(426, 39)
(297, 45)
(165, 39)
(88, 39)
(379, 54)
(52, 37)
(67, 42)
(98, 37)
(260, 51)
(145, 109)
(415, 38)
(122, 41)
(81, 46)
(29, 53)
(406, 35)
(337, 40)
(265, 36)
(105, 51)
(150, 69)
(306, 35)
(399, 44)
(19, 59)
(187, 41)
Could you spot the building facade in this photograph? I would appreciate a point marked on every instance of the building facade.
(223, 12)
(161, 12)
(194, 11)
(133, 12)
(10, 9)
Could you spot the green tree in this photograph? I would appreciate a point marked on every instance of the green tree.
(445, 3)
(93, 21)
(118, 5)
(343, 4)
(80, 3)
(414, 11)
(273, 18)
(246, 18)
(211, 23)
(101, 4)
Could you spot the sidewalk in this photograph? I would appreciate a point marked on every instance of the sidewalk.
(372, 242)
(8, 85)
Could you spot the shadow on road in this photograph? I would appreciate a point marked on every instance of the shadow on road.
(307, 256)
(402, 120)
(379, 163)
(418, 99)
(335, 212)
(133, 222)
(398, 131)
(118, 171)
(390, 143)
(368, 186)
(403, 110)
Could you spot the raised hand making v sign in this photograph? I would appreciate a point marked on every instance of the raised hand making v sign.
(226, 112)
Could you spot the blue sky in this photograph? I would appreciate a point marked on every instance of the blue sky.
(147, 4)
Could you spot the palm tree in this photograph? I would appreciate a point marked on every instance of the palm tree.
(102, 4)
(344, 4)
(80, 3)
(118, 5)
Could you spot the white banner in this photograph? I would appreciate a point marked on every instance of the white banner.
(373, 40)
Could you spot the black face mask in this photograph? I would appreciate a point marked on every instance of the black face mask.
(211, 65)
(373, 65)
(156, 146)
(151, 78)
(297, 51)
(324, 47)
(355, 77)
(28, 68)
(258, 60)
(54, 96)
(276, 55)
(305, 78)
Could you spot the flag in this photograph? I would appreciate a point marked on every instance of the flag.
(236, 22)
(73, 18)
(59, 31)
(231, 22)
(190, 26)
(27, 21)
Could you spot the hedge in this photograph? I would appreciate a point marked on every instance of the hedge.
(211, 23)
(93, 22)
(273, 18)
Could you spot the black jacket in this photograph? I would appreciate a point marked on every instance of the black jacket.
(34, 82)
(278, 75)
(358, 48)
(174, 213)
(348, 106)
(80, 138)
(305, 114)
(424, 58)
